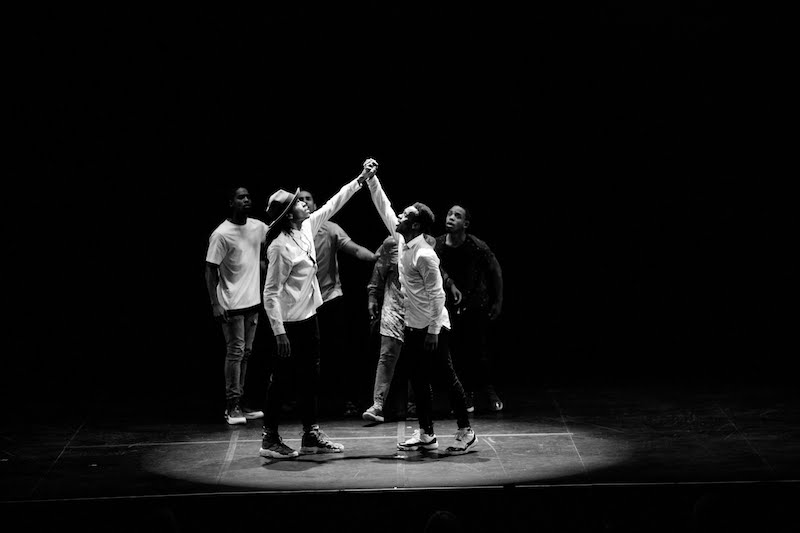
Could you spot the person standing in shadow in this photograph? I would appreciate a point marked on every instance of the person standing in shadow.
(470, 265)
(233, 282)
(338, 351)
(385, 304)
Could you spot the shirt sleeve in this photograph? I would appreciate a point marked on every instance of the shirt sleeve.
(377, 282)
(278, 272)
(332, 206)
(217, 249)
(383, 206)
(342, 237)
(428, 265)
(264, 230)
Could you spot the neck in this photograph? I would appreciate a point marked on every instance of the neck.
(456, 238)
(410, 235)
(296, 225)
(238, 218)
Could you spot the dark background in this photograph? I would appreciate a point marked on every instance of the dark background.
(623, 162)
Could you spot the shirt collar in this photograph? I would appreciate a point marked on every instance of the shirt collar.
(416, 241)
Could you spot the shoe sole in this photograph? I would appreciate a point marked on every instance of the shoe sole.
(414, 448)
(275, 455)
(254, 416)
(458, 451)
(369, 417)
(311, 450)
(236, 421)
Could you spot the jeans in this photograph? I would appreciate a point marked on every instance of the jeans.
(239, 332)
(300, 368)
(390, 352)
(436, 367)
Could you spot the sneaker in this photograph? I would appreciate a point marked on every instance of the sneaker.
(373, 414)
(465, 439)
(252, 414)
(234, 415)
(470, 397)
(272, 446)
(411, 411)
(495, 403)
(315, 441)
(419, 440)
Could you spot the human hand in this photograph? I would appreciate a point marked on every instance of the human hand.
(373, 310)
(495, 310)
(369, 170)
(284, 346)
(455, 293)
(431, 342)
(220, 314)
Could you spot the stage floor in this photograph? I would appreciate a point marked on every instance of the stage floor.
(584, 445)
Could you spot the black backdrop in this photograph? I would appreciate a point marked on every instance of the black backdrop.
(621, 160)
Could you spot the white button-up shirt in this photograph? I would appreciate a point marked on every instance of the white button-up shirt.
(291, 290)
(418, 267)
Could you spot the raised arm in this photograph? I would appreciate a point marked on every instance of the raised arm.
(383, 206)
(332, 206)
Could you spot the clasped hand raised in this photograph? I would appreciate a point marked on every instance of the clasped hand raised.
(370, 168)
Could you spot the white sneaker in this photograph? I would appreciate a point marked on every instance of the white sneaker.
(234, 416)
(252, 414)
(465, 439)
(419, 440)
(373, 414)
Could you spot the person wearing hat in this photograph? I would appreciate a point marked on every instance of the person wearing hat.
(233, 282)
(291, 297)
(427, 323)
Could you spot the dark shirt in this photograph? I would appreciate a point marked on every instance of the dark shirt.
(468, 266)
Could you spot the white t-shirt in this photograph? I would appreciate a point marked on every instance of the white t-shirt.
(237, 251)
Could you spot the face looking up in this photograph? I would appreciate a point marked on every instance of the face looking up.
(456, 219)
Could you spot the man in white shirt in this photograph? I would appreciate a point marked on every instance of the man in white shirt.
(427, 322)
(233, 284)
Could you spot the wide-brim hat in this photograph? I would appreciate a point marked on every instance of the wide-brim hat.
(279, 204)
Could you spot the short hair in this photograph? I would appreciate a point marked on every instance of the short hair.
(232, 191)
(424, 217)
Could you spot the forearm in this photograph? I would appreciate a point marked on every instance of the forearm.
(497, 283)
(359, 252)
(383, 205)
(212, 280)
(272, 307)
(333, 205)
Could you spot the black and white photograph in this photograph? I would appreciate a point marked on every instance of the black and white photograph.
(403, 268)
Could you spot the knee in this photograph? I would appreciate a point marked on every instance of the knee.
(235, 351)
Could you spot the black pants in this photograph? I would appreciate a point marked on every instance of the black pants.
(301, 369)
(470, 348)
(428, 369)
